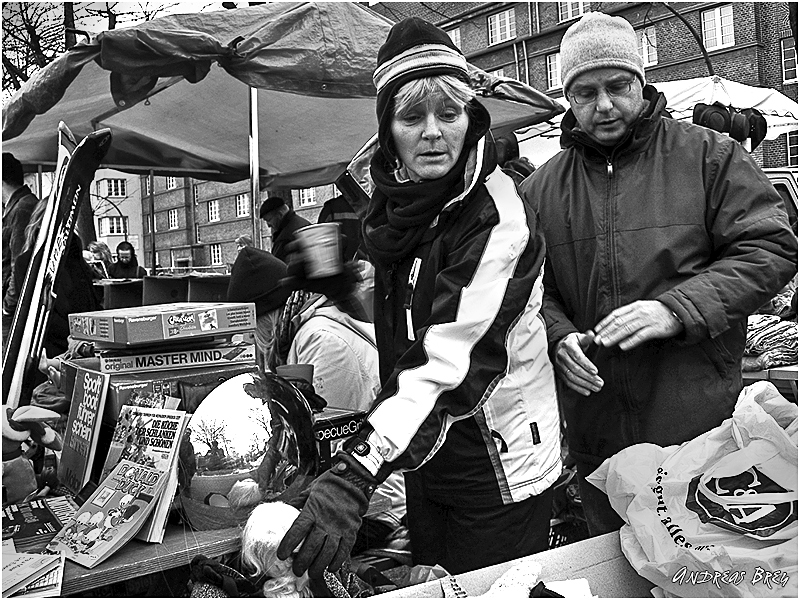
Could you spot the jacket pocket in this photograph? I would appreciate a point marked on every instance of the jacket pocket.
(718, 355)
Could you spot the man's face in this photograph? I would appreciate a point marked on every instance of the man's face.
(273, 218)
(124, 256)
(606, 102)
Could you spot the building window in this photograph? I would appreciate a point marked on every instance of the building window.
(718, 27)
(455, 35)
(216, 254)
(213, 210)
(197, 233)
(147, 185)
(647, 46)
(553, 71)
(308, 197)
(173, 218)
(196, 193)
(791, 142)
(113, 226)
(570, 10)
(242, 205)
(502, 27)
(789, 59)
(115, 188)
(172, 183)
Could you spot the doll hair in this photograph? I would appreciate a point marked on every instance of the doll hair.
(263, 532)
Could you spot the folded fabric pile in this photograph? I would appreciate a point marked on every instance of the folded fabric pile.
(770, 343)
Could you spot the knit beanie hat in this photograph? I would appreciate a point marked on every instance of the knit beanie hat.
(599, 41)
(255, 277)
(413, 49)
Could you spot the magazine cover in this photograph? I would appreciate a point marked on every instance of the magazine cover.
(112, 515)
(151, 437)
(83, 428)
(31, 525)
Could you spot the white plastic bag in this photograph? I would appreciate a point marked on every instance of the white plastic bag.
(716, 516)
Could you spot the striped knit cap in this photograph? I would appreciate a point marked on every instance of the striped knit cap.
(599, 41)
(413, 49)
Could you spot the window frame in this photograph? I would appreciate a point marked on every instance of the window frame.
(792, 160)
(243, 205)
(307, 197)
(120, 225)
(510, 29)
(171, 183)
(215, 249)
(172, 218)
(196, 193)
(556, 56)
(212, 211)
(565, 10)
(784, 60)
(456, 39)
(116, 182)
(719, 34)
(648, 42)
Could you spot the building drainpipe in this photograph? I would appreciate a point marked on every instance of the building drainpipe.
(152, 206)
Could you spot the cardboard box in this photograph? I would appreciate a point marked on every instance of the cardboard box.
(225, 354)
(124, 327)
(182, 388)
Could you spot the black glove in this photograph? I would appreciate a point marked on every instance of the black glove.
(334, 287)
(327, 525)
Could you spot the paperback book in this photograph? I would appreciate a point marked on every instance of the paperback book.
(47, 585)
(112, 515)
(83, 428)
(22, 569)
(31, 525)
(150, 437)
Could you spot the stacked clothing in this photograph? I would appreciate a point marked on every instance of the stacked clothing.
(771, 342)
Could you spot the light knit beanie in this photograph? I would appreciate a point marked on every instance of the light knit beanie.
(599, 41)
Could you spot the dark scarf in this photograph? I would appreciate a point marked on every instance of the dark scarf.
(399, 214)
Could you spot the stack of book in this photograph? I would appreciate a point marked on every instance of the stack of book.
(130, 409)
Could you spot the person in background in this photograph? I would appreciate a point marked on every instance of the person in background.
(101, 259)
(662, 237)
(283, 222)
(242, 242)
(302, 328)
(127, 266)
(18, 204)
(467, 406)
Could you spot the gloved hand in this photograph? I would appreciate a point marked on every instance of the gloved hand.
(328, 523)
(334, 287)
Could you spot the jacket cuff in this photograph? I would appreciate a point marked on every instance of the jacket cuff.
(366, 455)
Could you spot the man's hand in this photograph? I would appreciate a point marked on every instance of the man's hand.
(572, 365)
(636, 323)
(327, 525)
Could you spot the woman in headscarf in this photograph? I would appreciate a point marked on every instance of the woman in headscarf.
(468, 405)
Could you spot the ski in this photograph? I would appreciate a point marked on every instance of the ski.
(75, 170)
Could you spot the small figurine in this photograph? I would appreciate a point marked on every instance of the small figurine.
(25, 429)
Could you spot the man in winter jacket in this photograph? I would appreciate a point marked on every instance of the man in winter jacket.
(18, 204)
(283, 222)
(662, 237)
(127, 265)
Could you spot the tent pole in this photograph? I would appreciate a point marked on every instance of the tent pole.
(254, 167)
(152, 206)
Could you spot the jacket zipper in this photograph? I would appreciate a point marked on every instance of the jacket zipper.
(612, 241)
(412, 282)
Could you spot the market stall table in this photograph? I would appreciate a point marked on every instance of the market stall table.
(598, 560)
(179, 547)
(784, 378)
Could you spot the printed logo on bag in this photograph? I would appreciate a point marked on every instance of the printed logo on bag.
(759, 520)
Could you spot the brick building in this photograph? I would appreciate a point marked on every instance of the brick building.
(748, 42)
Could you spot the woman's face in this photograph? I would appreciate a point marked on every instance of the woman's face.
(429, 137)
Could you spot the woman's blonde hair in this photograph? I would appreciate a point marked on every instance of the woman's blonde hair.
(423, 89)
(263, 532)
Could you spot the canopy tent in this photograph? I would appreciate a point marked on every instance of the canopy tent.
(175, 91)
(540, 142)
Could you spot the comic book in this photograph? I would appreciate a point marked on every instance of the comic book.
(31, 525)
(83, 429)
(151, 437)
(112, 515)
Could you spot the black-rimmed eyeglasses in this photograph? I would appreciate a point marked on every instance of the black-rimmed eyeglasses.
(589, 95)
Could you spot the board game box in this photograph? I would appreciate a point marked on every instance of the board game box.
(124, 327)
